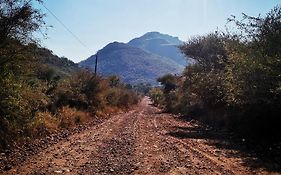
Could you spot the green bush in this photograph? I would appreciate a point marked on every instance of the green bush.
(120, 97)
(78, 91)
(40, 92)
(236, 79)
(157, 96)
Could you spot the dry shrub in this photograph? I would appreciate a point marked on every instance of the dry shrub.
(43, 124)
(101, 114)
(70, 117)
(108, 110)
(111, 110)
(120, 97)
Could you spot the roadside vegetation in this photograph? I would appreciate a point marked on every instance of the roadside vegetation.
(235, 83)
(41, 93)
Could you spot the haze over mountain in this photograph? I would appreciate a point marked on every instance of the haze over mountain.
(142, 60)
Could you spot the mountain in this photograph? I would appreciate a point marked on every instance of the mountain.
(60, 65)
(162, 45)
(132, 64)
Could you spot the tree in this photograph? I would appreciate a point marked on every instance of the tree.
(238, 75)
(169, 82)
(208, 51)
(261, 32)
(18, 20)
(204, 80)
(253, 71)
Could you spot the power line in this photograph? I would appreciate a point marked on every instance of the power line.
(76, 37)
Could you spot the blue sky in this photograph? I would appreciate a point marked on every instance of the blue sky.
(99, 22)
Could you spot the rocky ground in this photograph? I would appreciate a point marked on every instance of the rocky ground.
(143, 141)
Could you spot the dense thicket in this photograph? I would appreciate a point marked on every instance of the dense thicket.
(42, 93)
(236, 80)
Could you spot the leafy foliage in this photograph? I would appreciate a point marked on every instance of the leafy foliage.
(156, 95)
(18, 20)
(235, 82)
(208, 51)
(41, 93)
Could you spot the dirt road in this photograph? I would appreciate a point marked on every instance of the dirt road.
(142, 141)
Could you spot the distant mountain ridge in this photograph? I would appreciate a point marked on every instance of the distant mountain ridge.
(154, 35)
(141, 60)
(161, 44)
(132, 64)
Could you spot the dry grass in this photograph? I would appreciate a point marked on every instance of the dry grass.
(107, 111)
(70, 117)
(43, 124)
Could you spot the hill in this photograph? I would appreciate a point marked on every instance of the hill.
(132, 64)
(60, 66)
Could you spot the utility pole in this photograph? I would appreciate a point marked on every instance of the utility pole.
(96, 66)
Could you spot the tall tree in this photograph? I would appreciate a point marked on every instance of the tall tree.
(18, 20)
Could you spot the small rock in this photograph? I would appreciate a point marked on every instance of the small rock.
(58, 171)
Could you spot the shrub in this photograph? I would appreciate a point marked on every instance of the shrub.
(38, 93)
(120, 97)
(70, 117)
(235, 81)
(78, 91)
(157, 96)
(42, 124)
